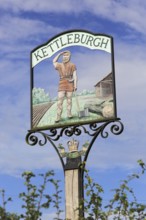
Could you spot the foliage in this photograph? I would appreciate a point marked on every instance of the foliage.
(85, 92)
(93, 203)
(56, 198)
(33, 198)
(3, 214)
(122, 206)
(36, 198)
(39, 96)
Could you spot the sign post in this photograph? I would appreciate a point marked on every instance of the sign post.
(85, 102)
(73, 182)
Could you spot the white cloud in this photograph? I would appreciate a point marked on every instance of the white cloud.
(15, 28)
(118, 154)
(129, 12)
(130, 76)
(17, 156)
(43, 6)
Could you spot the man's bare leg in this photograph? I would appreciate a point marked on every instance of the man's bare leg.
(61, 96)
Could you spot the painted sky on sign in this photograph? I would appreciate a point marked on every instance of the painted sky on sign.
(25, 26)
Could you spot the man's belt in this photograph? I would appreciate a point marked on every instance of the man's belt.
(68, 78)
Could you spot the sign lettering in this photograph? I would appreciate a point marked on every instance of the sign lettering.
(91, 41)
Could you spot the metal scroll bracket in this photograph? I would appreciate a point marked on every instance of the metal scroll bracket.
(93, 130)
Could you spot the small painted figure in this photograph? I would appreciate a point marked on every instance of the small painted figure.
(67, 82)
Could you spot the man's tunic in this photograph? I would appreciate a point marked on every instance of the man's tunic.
(66, 76)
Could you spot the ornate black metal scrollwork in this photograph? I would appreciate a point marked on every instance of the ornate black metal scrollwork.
(116, 129)
(32, 138)
(93, 130)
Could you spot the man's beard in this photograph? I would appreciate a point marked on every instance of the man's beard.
(66, 59)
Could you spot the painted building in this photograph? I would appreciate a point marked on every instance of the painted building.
(104, 88)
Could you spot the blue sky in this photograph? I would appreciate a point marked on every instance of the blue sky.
(25, 26)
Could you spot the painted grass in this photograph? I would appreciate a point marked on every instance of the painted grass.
(50, 116)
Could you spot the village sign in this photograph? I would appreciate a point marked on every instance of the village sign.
(73, 92)
(85, 102)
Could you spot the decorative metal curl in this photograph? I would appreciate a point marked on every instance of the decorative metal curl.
(76, 130)
(53, 132)
(94, 130)
(32, 139)
(117, 129)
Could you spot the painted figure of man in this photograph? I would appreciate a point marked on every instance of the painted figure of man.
(67, 82)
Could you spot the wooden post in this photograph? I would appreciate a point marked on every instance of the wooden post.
(72, 194)
(73, 188)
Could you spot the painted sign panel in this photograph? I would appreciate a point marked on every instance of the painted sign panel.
(72, 80)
